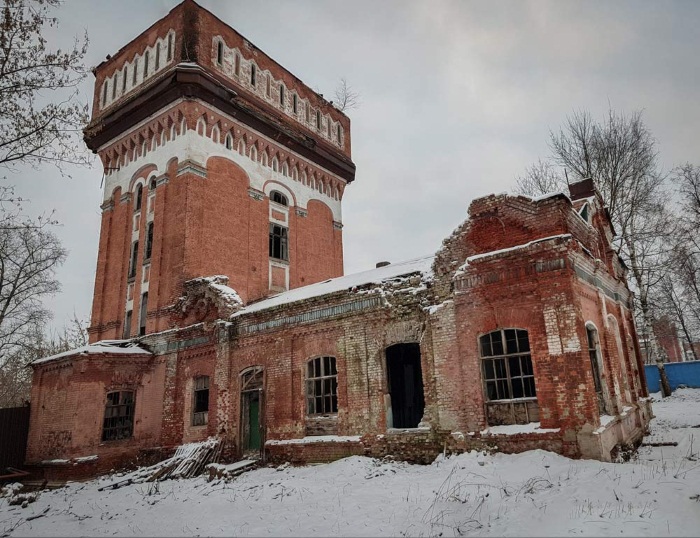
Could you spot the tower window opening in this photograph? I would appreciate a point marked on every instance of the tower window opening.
(135, 73)
(279, 198)
(124, 77)
(145, 64)
(253, 74)
(104, 92)
(139, 198)
(295, 103)
(237, 64)
(281, 95)
(157, 56)
(114, 86)
(318, 120)
(220, 52)
(338, 132)
(279, 249)
(127, 325)
(134, 255)
(142, 316)
(268, 89)
(149, 242)
(170, 47)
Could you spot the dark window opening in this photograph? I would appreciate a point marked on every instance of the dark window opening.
(139, 198)
(145, 64)
(281, 95)
(318, 120)
(253, 74)
(152, 184)
(405, 383)
(268, 89)
(295, 103)
(114, 86)
(321, 386)
(126, 75)
(200, 406)
(149, 242)
(135, 74)
(142, 316)
(220, 53)
(104, 93)
(237, 65)
(170, 47)
(278, 198)
(119, 416)
(278, 242)
(339, 133)
(134, 256)
(157, 56)
(127, 325)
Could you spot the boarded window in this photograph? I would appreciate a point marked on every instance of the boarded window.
(200, 405)
(119, 416)
(279, 249)
(321, 386)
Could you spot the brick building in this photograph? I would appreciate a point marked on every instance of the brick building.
(220, 308)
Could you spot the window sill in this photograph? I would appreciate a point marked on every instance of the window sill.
(510, 400)
(131, 279)
(279, 260)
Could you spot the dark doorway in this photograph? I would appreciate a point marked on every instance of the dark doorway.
(252, 423)
(405, 380)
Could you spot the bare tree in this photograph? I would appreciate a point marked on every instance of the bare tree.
(41, 116)
(345, 97)
(540, 178)
(620, 154)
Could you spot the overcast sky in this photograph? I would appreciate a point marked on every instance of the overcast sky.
(457, 99)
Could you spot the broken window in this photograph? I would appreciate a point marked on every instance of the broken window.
(200, 406)
(149, 242)
(142, 316)
(119, 416)
(508, 376)
(279, 249)
(321, 386)
(594, 355)
(405, 385)
(134, 255)
(127, 325)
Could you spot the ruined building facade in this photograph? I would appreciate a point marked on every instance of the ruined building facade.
(220, 308)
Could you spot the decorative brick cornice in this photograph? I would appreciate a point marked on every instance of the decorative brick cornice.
(108, 205)
(191, 167)
(126, 197)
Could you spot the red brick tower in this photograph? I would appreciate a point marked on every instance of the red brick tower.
(218, 161)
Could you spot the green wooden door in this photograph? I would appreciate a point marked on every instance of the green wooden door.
(254, 422)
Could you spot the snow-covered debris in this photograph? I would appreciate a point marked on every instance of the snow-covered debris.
(348, 282)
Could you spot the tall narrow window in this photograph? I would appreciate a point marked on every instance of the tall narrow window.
(278, 242)
(229, 141)
(253, 74)
(145, 64)
(220, 52)
(136, 72)
(149, 242)
(594, 355)
(119, 416)
(170, 47)
(278, 198)
(127, 325)
(307, 112)
(124, 77)
(114, 86)
(104, 92)
(152, 183)
(281, 95)
(318, 120)
(268, 90)
(157, 56)
(509, 379)
(139, 198)
(328, 128)
(321, 386)
(134, 256)
(237, 64)
(142, 315)
(295, 103)
(338, 133)
(200, 404)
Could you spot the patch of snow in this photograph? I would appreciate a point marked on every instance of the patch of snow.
(113, 347)
(348, 282)
(55, 462)
(510, 249)
(316, 439)
(86, 459)
(516, 429)
(545, 196)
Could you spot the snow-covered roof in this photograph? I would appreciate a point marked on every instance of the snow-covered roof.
(113, 347)
(373, 276)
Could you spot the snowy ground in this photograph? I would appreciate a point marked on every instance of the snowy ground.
(531, 494)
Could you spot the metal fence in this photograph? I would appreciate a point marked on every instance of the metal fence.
(685, 374)
(14, 428)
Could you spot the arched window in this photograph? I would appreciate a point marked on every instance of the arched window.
(318, 120)
(173, 132)
(139, 198)
(328, 127)
(285, 170)
(241, 146)
(268, 88)
(215, 134)
(149, 243)
(275, 164)
(295, 103)
(263, 158)
(183, 126)
(114, 86)
(145, 64)
(304, 179)
(295, 173)
(596, 364)
(135, 73)
(170, 47)
(162, 137)
(321, 386)
(339, 133)
(278, 198)
(220, 52)
(229, 141)
(144, 147)
(157, 56)
(237, 64)
(254, 153)
(201, 126)
(508, 376)
(152, 184)
(118, 420)
(281, 95)
(105, 88)
(125, 75)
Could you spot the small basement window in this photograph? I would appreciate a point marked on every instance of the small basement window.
(200, 405)
(119, 416)
(321, 386)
